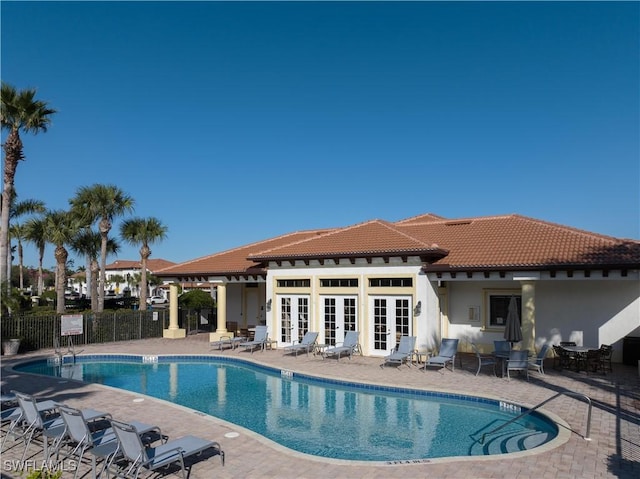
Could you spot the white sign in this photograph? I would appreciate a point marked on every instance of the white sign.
(71, 324)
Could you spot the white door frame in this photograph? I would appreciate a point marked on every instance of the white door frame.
(293, 318)
(391, 316)
(339, 313)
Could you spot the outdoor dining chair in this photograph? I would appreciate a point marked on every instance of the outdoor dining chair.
(518, 361)
(484, 359)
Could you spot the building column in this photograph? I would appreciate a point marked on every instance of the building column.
(529, 316)
(221, 300)
(174, 332)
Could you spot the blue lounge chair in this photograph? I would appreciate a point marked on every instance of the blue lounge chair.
(349, 346)
(174, 452)
(307, 344)
(405, 351)
(446, 355)
(259, 340)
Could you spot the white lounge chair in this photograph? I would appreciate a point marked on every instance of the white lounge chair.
(307, 344)
(446, 355)
(174, 452)
(403, 355)
(259, 340)
(349, 346)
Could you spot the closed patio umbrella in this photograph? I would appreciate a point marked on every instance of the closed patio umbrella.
(512, 330)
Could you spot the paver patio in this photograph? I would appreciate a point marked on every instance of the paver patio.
(614, 450)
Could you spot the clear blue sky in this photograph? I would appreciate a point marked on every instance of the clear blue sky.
(233, 122)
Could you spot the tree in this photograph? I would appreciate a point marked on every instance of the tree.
(35, 233)
(143, 232)
(88, 243)
(102, 203)
(60, 229)
(19, 231)
(19, 111)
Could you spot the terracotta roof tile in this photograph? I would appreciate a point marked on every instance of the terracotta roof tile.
(518, 241)
(235, 260)
(509, 241)
(153, 264)
(364, 239)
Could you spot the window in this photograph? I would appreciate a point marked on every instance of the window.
(497, 303)
(339, 283)
(390, 282)
(294, 283)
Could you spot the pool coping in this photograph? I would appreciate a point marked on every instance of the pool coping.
(563, 435)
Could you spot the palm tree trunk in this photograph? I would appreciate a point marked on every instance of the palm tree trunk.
(20, 261)
(94, 272)
(144, 254)
(105, 226)
(61, 271)
(12, 155)
(40, 272)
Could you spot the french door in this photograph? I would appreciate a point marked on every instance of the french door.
(390, 319)
(339, 315)
(294, 318)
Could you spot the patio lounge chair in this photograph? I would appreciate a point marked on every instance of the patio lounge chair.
(403, 355)
(446, 355)
(349, 345)
(538, 362)
(259, 340)
(484, 359)
(174, 452)
(518, 361)
(101, 444)
(308, 343)
(34, 421)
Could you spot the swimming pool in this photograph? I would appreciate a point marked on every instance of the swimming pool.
(321, 417)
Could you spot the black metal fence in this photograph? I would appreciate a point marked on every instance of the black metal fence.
(39, 332)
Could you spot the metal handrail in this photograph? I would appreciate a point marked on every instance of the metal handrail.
(529, 411)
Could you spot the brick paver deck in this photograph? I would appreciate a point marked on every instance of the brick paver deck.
(614, 450)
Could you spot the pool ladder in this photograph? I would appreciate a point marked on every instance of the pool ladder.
(587, 437)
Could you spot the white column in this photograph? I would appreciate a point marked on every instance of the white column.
(174, 332)
(221, 299)
(529, 315)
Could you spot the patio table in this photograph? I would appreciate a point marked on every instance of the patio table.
(580, 353)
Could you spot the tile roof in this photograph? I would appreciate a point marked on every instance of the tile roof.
(373, 238)
(519, 242)
(493, 242)
(235, 261)
(153, 264)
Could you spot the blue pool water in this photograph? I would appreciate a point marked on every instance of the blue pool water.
(322, 417)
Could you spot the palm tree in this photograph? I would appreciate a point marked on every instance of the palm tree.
(35, 233)
(60, 229)
(19, 232)
(19, 111)
(101, 203)
(88, 243)
(143, 232)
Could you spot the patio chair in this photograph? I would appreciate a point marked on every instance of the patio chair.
(538, 362)
(259, 340)
(592, 361)
(100, 444)
(348, 346)
(406, 348)
(173, 453)
(308, 343)
(34, 422)
(446, 355)
(484, 359)
(518, 361)
(606, 352)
